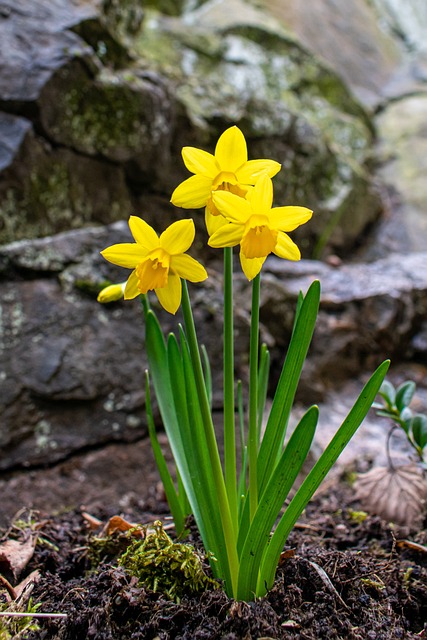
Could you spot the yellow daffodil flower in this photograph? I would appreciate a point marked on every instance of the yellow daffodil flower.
(259, 229)
(158, 263)
(112, 293)
(228, 170)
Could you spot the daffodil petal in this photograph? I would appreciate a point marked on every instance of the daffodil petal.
(261, 196)
(200, 162)
(178, 237)
(251, 266)
(213, 223)
(170, 296)
(289, 218)
(231, 151)
(131, 289)
(126, 254)
(193, 193)
(232, 207)
(286, 248)
(229, 235)
(143, 233)
(188, 268)
(252, 170)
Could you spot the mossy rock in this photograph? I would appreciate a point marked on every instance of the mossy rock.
(290, 107)
(56, 190)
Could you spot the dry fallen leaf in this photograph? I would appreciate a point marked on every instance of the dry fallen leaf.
(117, 523)
(24, 588)
(16, 554)
(398, 495)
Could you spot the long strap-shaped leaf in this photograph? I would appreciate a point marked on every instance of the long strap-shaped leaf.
(316, 475)
(199, 459)
(159, 367)
(275, 430)
(276, 491)
(177, 503)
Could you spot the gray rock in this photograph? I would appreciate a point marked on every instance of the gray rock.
(349, 37)
(12, 133)
(45, 189)
(34, 42)
(121, 117)
(402, 149)
(368, 312)
(122, 92)
(59, 390)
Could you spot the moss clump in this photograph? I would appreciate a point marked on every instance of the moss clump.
(106, 548)
(171, 568)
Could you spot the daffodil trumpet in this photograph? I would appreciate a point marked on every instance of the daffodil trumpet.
(240, 516)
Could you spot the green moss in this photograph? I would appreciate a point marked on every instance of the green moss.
(46, 203)
(173, 569)
(103, 116)
(17, 628)
(106, 548)
(357, 516)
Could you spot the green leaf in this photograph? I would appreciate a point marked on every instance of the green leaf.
(275, 430)
(386, 414)
(202, 471)
(388, 392)
(404, 394)
(271, 501)
(419, 430)
(406, 416)
(203, 506)
(177, 504)
(207, 372)
(264, 370)
(316, 475)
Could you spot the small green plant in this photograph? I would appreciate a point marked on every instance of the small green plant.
(395, 406)
(237, 498)
(171, 568)
(14, 627)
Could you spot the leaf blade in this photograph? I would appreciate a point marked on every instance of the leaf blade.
(317, 474)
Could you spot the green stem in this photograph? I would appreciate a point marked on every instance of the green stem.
(229, 527)
(253, 397)
(228, 369)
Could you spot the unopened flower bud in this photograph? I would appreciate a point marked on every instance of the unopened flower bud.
(112, 293)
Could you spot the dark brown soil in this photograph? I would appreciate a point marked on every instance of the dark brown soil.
(343, 579)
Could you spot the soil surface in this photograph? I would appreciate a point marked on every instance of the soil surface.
(342, 576)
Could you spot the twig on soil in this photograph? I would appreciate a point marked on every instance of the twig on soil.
(414, 546)
(327, 582)
(306, 527)
(8, 587)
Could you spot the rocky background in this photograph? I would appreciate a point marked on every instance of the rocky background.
(96, 100)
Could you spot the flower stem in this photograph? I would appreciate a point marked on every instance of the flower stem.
(253, 397)
(220, 489)
(228, 369)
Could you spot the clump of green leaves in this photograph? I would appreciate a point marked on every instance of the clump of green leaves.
(13, 627)
(171, 568)
(395, 406)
